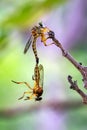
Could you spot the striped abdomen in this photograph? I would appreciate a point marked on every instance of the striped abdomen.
(35, 50)
(37, 74)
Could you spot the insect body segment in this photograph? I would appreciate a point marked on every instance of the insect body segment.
(37, 74)
(37, 31)
(37, 90)
(35, 50)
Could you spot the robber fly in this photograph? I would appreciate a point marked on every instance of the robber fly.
(37, 90)
(37, 31)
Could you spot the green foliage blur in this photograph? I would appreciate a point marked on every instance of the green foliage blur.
(16, 17)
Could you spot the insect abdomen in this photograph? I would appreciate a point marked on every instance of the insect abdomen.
(35, 51)
(37, 74)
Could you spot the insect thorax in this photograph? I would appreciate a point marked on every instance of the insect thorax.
(38, 91)
(36, 31)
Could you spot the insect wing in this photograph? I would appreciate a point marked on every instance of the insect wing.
(28, 44)
(41, 70)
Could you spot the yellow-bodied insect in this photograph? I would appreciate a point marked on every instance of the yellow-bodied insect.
(37, 31)
(37, 90)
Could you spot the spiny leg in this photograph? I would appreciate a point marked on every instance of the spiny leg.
(22, 83)
(24, 95)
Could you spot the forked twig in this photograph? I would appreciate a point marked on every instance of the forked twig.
(74, 86)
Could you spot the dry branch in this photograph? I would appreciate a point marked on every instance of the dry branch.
(82, 69)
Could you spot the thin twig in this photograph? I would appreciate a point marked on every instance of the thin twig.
(82, 69)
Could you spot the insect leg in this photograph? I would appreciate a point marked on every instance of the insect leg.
(48, 44)
(31, 97)
(45, 44)
(24, 94)
(51, 35)
(22, 83)
(44, 39)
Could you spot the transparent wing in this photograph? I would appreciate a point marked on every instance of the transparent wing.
(28, 44)
(41, 70)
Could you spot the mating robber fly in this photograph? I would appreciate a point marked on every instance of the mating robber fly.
(37, 31)
(37, 90)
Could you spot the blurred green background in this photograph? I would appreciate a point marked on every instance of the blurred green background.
(67, 18)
